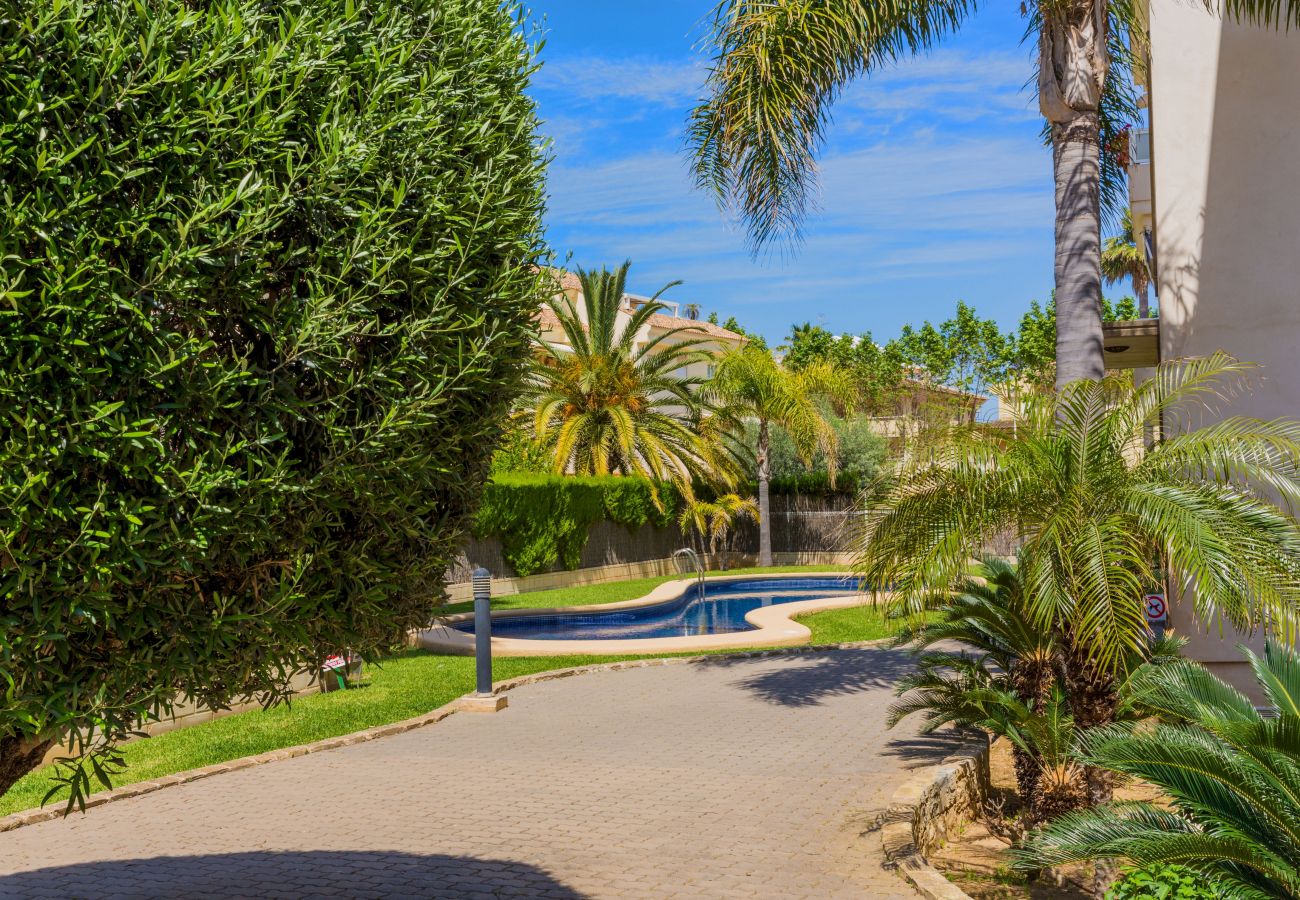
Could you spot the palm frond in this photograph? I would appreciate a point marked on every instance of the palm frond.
(778, 65)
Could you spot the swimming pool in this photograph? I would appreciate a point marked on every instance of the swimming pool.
(721, 610)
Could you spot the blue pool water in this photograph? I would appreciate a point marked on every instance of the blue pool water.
(721, 609)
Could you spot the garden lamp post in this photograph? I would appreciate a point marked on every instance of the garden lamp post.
(482, 700)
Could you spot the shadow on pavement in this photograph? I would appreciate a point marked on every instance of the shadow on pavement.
(316, 873)
(926, 749)
(809, 679)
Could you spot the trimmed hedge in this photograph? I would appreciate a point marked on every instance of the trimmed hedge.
(268, 278)
(544, 520)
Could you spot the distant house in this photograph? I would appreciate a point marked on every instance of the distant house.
(716, 338)
(918, 403)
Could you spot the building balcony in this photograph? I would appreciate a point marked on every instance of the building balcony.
(1131, 344)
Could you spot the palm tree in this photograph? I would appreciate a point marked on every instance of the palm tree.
(715, 519)
(1233, 776)
(749, 383)
(1099, 521)
(1122, 258)
(608, 405)
(779, 64)
(1006, 680)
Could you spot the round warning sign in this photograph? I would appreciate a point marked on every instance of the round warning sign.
(1156, 608)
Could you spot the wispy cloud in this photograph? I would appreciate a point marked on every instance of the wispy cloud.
(934, 186)
(645, 80)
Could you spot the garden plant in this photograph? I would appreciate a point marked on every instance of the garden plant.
(1231, 771)
(1100, 521)
(269, 277)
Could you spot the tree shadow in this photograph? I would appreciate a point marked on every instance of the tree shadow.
(918, 750)
(344, 873)
(811, 678)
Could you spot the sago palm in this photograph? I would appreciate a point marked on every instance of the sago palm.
(1233, 776)
(1122, 257)
(778, 65)
(1099, 519)
(1000, 680)
(749, 383)
(609, 403)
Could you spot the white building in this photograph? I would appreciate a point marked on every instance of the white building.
(1216, 184)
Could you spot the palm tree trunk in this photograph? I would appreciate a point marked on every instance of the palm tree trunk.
(1072, 66)
(1077, 169)
(1144, 306)
(764, 505)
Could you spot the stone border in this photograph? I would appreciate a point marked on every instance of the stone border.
(925, 807)
(45, 814)
(773, 626)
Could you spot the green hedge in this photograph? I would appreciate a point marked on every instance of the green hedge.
(267, 281)
(544, 520)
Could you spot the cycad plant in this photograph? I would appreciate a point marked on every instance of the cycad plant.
(1003, 657)
(1099, 518)
(610, 404)
(1232, 773)
(778, 65)
(749, 383)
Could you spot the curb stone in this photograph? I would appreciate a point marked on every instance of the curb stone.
(918, 817)
(140, 788)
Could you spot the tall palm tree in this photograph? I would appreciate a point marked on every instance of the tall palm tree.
(779, 64)
(749, 383)
(1099, 521)
(1121, 258)
(609, 404)
(1233, 776)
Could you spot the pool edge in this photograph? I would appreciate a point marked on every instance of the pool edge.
(774, 626)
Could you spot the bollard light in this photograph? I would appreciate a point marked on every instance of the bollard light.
(483, 631)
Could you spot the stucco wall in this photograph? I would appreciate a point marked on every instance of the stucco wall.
(1225, 124)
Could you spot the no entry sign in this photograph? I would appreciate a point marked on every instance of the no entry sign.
(1156, 608)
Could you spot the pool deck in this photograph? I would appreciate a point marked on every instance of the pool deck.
(774, 626)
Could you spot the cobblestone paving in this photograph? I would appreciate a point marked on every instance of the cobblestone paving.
(741, 778)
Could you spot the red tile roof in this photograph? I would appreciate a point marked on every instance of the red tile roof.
(659, 320)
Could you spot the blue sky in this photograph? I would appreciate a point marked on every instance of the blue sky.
(934, 184)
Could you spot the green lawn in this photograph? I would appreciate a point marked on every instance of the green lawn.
(405, 685)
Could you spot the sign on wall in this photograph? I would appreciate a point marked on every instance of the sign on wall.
(1156, 608)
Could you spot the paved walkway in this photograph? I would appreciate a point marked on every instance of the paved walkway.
(741, 778)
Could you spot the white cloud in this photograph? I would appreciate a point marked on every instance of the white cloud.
(660, 82)
(934, 186)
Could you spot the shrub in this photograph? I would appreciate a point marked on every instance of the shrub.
(267, 289)
(861, 452)
(544, 520)
(1163, 883)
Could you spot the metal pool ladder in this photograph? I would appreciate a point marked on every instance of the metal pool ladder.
(686, 559)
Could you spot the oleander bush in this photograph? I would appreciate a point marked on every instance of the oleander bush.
(544, 520)
(267, 284)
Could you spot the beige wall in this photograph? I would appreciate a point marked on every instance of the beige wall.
(1225, 125)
